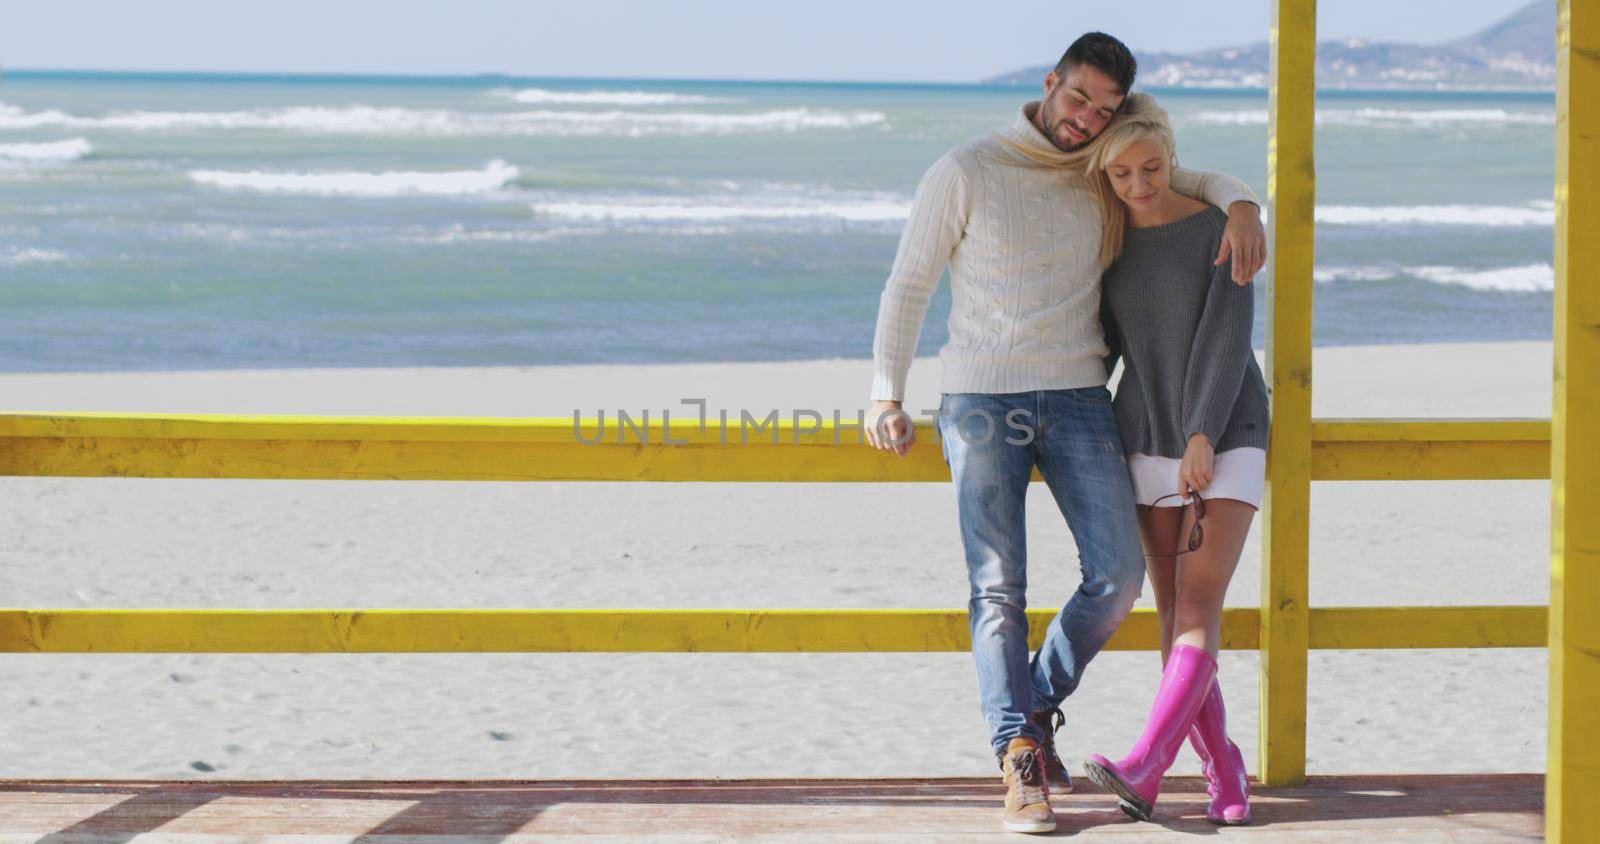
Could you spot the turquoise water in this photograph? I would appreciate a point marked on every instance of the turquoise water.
(189, 221)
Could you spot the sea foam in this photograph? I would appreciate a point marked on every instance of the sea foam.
(1532, 214)
(374, 120)
(1382, 117)
(889, 207)
(493, 177)
(715, 209)
(1526, 278)
(542, 96)
(18, 256)
(47, 152)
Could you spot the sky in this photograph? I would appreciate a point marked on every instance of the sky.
(864, 40)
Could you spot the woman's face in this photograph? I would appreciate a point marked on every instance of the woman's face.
(1140, 175)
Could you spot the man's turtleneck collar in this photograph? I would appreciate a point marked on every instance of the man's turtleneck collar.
(1027, 131)
(1027, 140)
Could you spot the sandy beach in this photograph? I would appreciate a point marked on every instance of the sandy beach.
(287, 544)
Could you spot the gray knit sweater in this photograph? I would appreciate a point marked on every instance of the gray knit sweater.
(1182, 329)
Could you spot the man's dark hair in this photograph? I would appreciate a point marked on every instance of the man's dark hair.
(1103, 52)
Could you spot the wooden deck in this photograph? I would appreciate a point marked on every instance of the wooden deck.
(1364, 808)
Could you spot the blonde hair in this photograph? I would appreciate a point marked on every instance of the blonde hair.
(1139, 119)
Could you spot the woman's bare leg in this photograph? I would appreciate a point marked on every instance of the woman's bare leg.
(1158, 529)
(1203, 575)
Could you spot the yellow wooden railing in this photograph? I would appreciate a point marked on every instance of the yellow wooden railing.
(1303, 450)
(399, 448)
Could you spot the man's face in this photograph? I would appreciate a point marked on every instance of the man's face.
(1078, 106)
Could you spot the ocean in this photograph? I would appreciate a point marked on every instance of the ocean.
(194, 221)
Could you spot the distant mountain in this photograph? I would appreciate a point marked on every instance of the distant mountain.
(1529, 31)
(1517, 53)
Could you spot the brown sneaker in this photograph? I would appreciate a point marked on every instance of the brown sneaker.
(1055, 771)
(1027, 792)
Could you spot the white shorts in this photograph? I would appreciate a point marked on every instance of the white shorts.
(1238, 473)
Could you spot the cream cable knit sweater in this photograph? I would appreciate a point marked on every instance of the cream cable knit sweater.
(1021, 242)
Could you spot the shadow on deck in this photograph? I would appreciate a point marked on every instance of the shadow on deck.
(1367, 808)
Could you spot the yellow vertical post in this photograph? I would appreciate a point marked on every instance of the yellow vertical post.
(1573, 779)
(1286, 523)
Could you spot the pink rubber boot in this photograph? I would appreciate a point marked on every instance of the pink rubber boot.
(1221, 762)
(1136, 778)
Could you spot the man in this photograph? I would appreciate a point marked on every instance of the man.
(1023, 385)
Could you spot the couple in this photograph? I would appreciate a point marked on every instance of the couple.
(1074, 240)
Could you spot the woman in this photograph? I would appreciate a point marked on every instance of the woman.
(1192, 411)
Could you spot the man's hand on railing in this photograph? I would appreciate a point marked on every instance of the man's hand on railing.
(889, 428)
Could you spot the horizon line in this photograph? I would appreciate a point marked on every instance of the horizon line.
(349, 74)
(267, 75)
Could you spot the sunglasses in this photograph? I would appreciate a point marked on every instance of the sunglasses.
(1197, 534)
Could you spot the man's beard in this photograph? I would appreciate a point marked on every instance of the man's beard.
(1052, 133)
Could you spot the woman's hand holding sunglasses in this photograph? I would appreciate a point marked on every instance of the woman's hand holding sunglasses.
(1196, 470)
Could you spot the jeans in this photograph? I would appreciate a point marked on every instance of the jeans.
(1071, 435)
